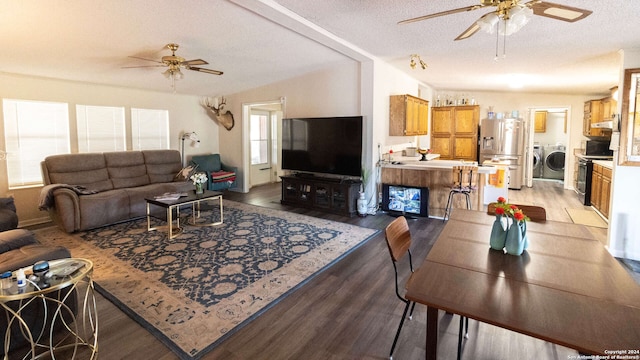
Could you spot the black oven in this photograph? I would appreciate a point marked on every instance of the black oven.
(585, 172)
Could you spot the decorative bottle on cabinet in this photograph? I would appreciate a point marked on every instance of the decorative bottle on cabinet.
(362, 205)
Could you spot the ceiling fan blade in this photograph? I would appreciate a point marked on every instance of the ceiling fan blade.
(557, 11)
(448, 12)
(208, 71)
(471, 30)
(141, 66)
(141, 58)
(194, 62)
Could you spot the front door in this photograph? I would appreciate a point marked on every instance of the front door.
(262, 139)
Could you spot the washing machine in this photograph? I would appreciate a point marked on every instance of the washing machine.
(554, 159)
(538, 159)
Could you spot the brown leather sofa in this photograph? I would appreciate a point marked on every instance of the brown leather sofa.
(86, 191)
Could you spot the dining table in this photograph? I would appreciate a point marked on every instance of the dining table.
(565, 288)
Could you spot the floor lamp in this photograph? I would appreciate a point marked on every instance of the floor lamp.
(195, 142)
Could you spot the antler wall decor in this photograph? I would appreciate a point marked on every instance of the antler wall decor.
(225, 119)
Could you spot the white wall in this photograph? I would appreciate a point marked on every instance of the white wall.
(185, 115)
(331, 92)
(624, 228)
(349, 88)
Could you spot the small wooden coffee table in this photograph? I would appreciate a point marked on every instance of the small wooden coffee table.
(191, 198)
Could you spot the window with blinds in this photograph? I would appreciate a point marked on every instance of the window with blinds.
(149, 129)
(33, 130)
(100, 128)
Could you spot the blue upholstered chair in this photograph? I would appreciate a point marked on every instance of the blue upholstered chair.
(220, 177)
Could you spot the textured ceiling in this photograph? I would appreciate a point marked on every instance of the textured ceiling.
(260, 42)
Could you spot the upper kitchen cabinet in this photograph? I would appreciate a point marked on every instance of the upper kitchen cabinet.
(454, 132)
(408, 116)
(609, 106)
(540, 124)
(596, 114)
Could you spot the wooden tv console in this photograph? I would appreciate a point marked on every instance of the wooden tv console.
(332, 195)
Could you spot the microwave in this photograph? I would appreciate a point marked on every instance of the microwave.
(597, 147)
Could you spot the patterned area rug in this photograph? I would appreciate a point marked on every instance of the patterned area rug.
(193, 291)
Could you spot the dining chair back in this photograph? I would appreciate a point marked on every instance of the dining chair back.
(398, 239)
(534, 213)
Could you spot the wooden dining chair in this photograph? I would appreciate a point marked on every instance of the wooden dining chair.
(464, 181)
(398, 239)
(535, 213)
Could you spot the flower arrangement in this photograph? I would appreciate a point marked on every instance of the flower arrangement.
(199, 178)
(512, 211)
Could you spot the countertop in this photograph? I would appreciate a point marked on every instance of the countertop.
(413, 163)
(604, 163)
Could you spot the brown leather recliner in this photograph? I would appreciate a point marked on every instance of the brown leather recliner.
(20, 249)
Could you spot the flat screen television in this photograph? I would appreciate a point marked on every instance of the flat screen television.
(329, 145)
(405, 200)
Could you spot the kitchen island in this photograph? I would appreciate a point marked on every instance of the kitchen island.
(437, 176)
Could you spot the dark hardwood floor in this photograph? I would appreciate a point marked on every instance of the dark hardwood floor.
(349, 311)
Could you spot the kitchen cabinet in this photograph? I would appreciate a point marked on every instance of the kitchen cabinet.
(609, 107)
(540, 123)
(408, 116)
(454, 132)
(596, 111)
(601, 189)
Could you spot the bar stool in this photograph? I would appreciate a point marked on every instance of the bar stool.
(464, 181)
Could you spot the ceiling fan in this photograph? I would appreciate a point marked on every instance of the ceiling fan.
(174, 63)
(510, 11)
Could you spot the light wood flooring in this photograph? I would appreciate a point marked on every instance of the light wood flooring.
(350, 310)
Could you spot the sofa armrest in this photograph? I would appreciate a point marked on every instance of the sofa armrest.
(15, 239)
(29, 255)
(7, 203)
(66, 211)
(8, 216)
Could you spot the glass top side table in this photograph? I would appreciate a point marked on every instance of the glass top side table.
(64, 330)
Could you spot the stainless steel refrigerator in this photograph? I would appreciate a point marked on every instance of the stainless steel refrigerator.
(503, 140)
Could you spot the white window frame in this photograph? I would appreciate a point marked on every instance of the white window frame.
(33, 130)
(100, 128)
(149, 129)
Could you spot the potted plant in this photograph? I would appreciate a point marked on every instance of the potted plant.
(362, 201)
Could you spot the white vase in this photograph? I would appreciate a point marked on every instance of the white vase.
(362, 205)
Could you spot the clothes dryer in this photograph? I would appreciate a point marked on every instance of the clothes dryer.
(538, 160)
(554, 162)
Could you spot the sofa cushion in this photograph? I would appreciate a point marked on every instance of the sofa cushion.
(126, 169)
(89, 170)
(103, 208)
(162, 165)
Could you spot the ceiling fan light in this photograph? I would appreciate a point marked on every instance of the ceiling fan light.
(178, 75)
(518, 18)
(488, 23)
(167, 73)
(521, 15)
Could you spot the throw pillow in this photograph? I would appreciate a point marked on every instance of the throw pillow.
(186, 172)
(221, 176)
